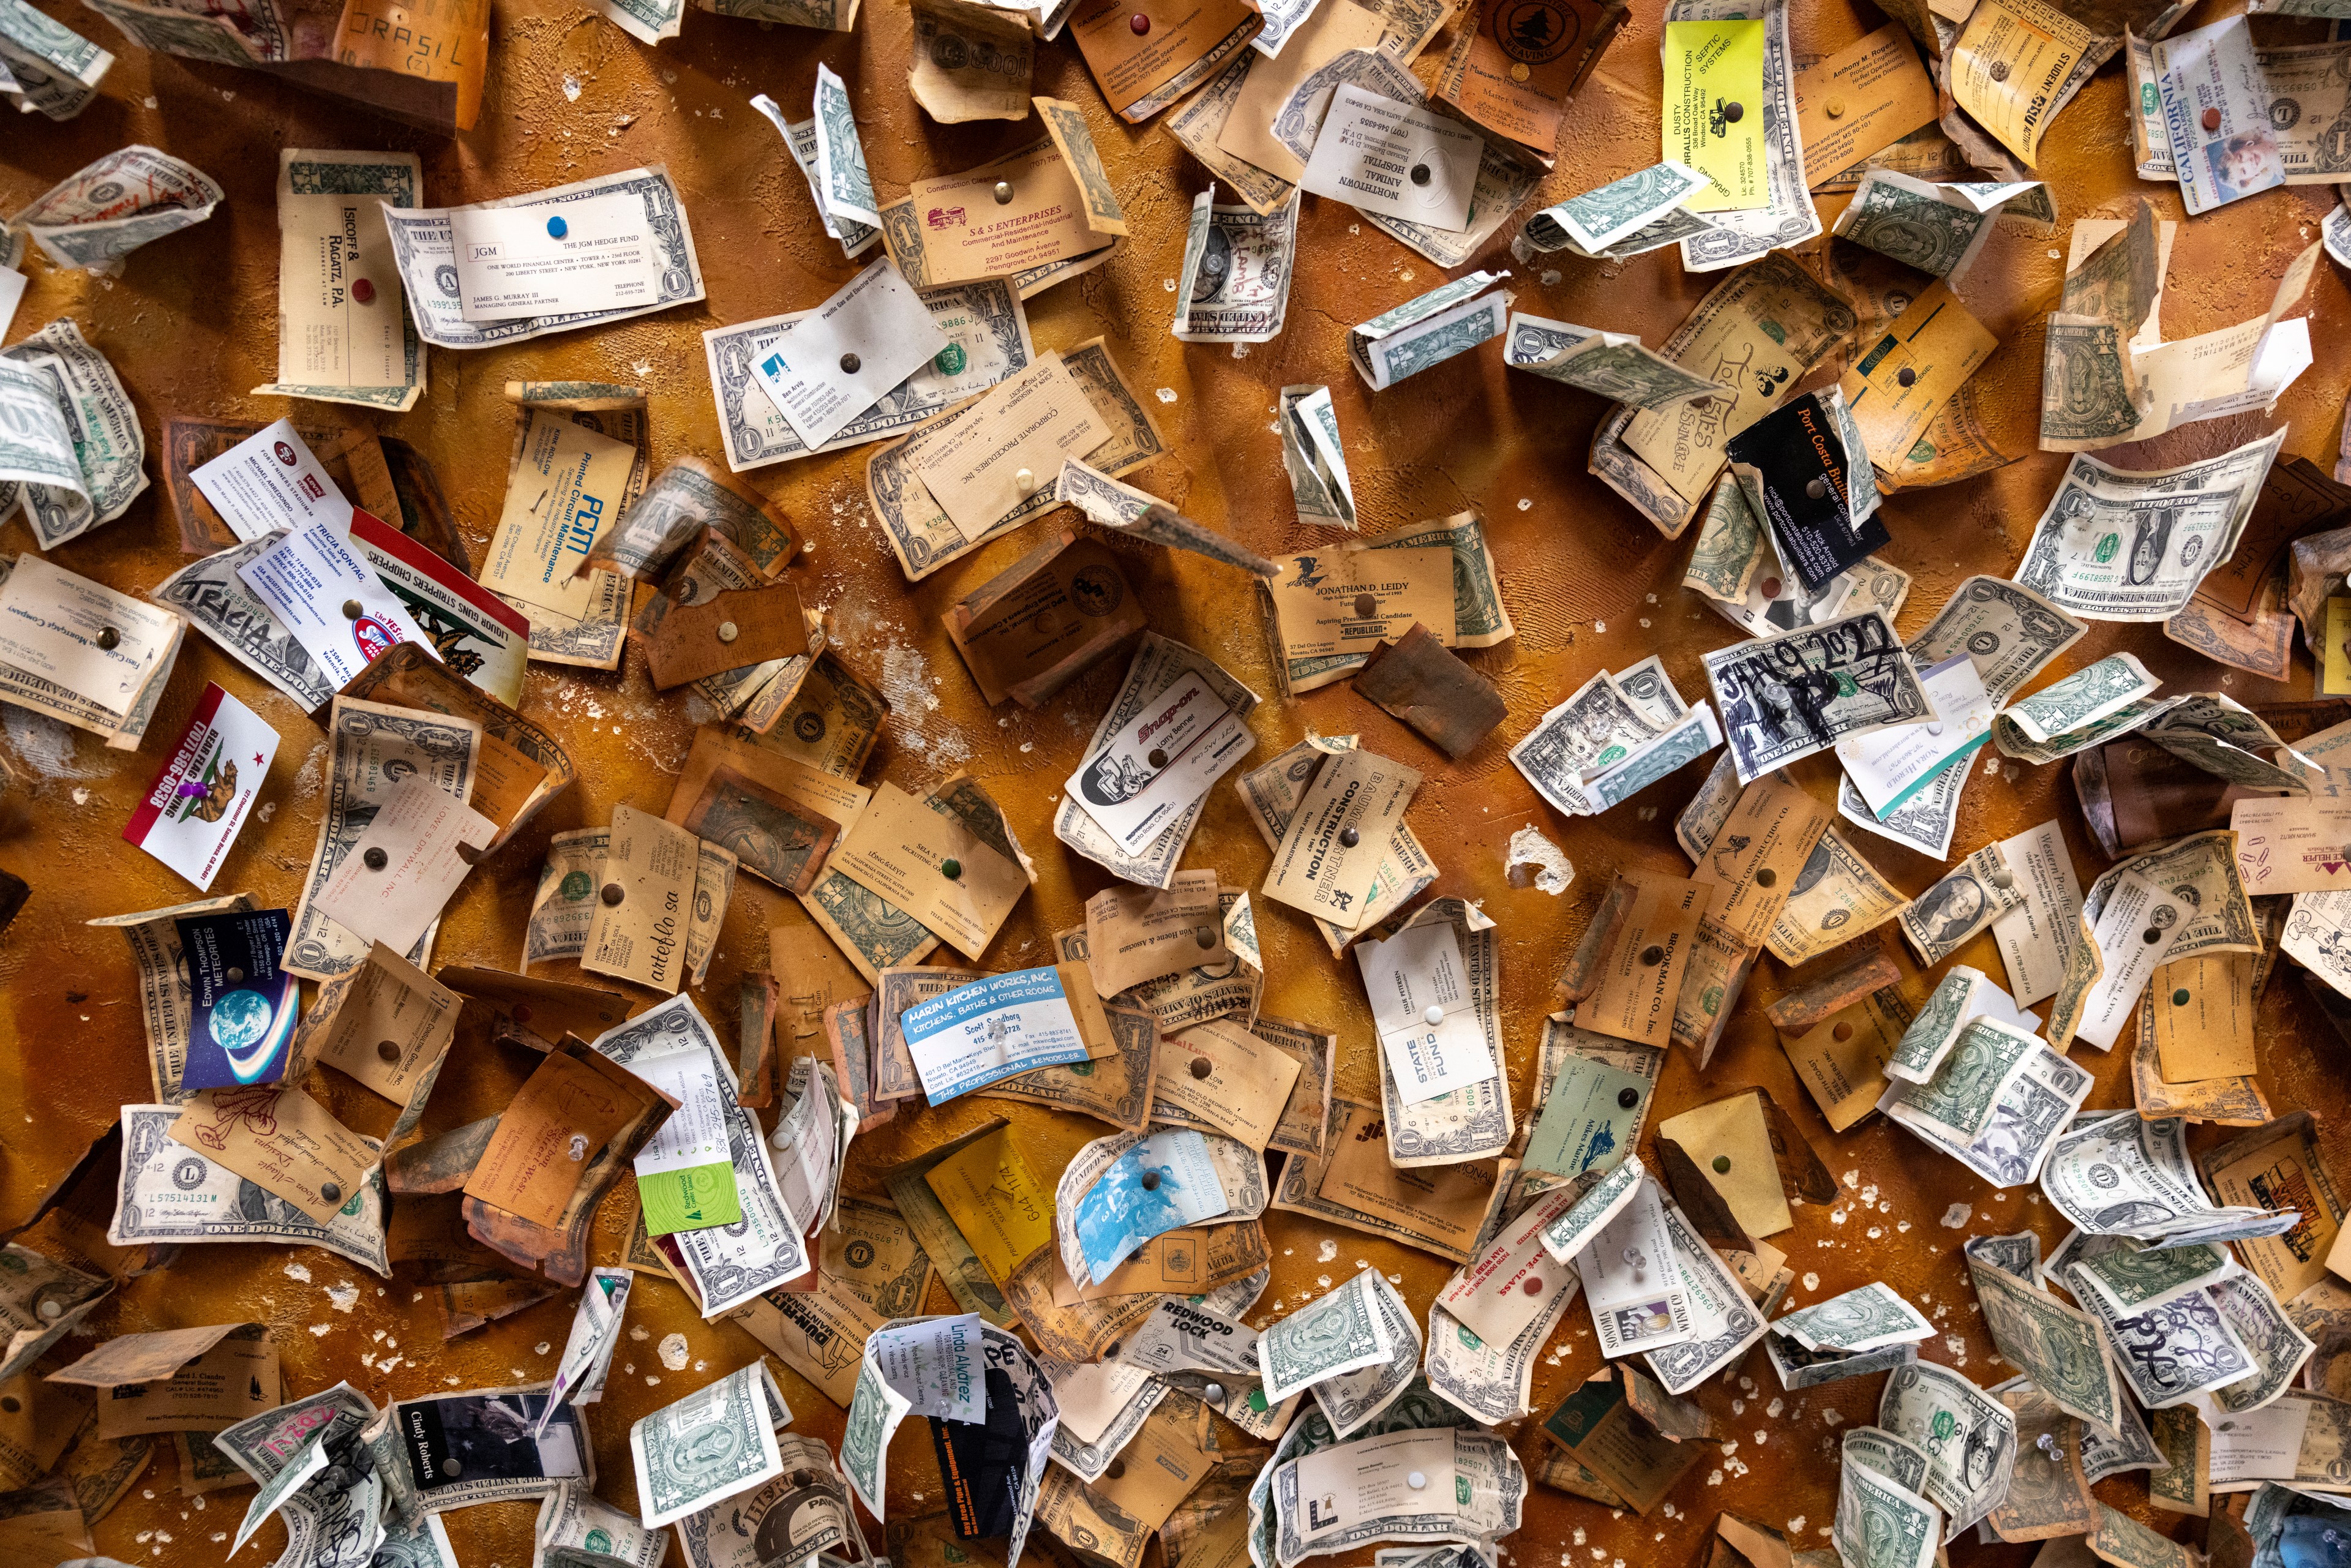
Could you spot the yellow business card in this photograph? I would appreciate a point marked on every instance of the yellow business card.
(1714, 110)
(993, 1198)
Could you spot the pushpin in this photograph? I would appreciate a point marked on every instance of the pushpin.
(728, 632)
(1138, 24)
(951, 869)
(1434, 1014)
(363, 292)
(613, 893)
(1906, 377)
(1816, 486)
(1415, 1480)
(1628, 1098)
(556, 228)
(330, 1192)
(1201, 1067)
(109, 638)
(354, 610)
(375, 858)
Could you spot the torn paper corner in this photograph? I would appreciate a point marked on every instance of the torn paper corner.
(1534, 860)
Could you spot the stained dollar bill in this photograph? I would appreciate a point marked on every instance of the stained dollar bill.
(101, 212)
(1613, 364)
(1969, 1437)
(50, 67)
(2009, 632)
(1788, 696)
(1451, 319)
(424, 248)
(1237, 264)
(371, 747)
(921, 533)
(66, 403)
(727, 1264)
(1589, 224)
(2117, 545)
(173, 1195)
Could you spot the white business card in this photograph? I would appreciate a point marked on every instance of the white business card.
(567, 258)
(314, 580)
(840, 359)
(271, 480)
(1393, 159)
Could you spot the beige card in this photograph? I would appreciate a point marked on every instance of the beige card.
(819, 1334)
(1009, 444)
(409, 859)
(1228, 1077)
(565, 492)
(967, 234)
(2007, 63)
(1756, 855)
(1344, 602)
(1137, 933)
(1329, 860)
(1172, 1454)
(387, 1023)
(902, 852)
(342, 317)
(1641, 974)
(1447, 1203)
(1860, 100)
(1731, 1143)
(181, 1380)
(2204, 1017)
(1336, 27)
(283, 1142)
(1750, 326)
(637, 930)
(1899, 384)
(1842, 1060)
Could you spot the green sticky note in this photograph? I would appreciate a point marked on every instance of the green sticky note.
(694, 1199)
(1587, 1121)
(1714, 111)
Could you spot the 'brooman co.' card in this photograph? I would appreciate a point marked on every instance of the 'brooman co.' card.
(202, 794)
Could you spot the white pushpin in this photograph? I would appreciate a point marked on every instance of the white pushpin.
(1415, 1480)
(1434, 1015)
(1025, 482)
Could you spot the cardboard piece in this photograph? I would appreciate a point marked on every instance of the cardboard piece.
(740, 626)
(1045, 620)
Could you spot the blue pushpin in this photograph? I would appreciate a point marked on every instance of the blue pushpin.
(556, 228)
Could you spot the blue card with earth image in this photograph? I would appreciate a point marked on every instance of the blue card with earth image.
(244, 1003)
